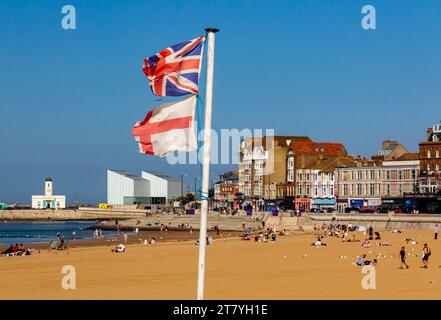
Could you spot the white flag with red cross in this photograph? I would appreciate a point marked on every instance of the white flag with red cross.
(168, 128)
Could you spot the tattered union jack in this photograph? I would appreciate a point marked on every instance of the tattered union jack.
(175, 71)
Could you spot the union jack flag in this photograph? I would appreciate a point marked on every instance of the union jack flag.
(175, 71)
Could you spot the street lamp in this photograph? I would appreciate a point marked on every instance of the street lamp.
(182, 189)
(195, 185)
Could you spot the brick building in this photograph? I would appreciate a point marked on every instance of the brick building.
(430, 157)
(380, 180)
(226, 189)
(268, 166)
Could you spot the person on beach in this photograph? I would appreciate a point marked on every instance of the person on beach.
(366, 244)
(403, 258)
(426, 254)
(74, 235)
(119, 248)
(436, 231)
(125, 237)
(360, 261)
(371, 232)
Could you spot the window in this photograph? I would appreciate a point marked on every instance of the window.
(400, 175)
(388, 189)
(372, 173)
(290, 175)
(429, 154)
(437, 153)
(359, 189)
(400, 189)
(345, 189)
(388, 174)
(290, 163)
(372, 189)
(360, 175)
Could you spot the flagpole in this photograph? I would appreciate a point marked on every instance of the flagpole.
(206, 161)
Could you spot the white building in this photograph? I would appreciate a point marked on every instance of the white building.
(48, 201)
(148, 189)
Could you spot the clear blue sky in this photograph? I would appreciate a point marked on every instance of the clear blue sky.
(68, 99)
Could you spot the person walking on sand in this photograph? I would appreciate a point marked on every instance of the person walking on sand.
(403, 258)
(436, 231)
(371, 233)
(426, 254)
(125, 237)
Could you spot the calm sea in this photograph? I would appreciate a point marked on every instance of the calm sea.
(26, 232)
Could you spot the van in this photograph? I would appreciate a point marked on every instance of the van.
(104, 206)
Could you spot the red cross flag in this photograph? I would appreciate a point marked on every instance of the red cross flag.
(168, 128)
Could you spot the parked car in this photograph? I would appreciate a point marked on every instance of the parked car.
(351, 209)
(366, 210)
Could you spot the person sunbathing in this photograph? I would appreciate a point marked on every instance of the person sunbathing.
(366, 243)
(119, 248)
(361, 260)
(318, 242)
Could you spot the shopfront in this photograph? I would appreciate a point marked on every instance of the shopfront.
(303, 204)
(323, 203)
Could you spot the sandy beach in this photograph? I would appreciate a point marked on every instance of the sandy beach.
(290, 268)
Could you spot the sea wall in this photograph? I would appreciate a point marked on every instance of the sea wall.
(378, 221)
(81, 214)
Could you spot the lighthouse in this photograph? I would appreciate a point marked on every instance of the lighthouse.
(49, 200)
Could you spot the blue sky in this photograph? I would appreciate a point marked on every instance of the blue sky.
(68, 99)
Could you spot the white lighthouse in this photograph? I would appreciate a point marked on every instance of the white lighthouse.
(48, 187)
(48, 201)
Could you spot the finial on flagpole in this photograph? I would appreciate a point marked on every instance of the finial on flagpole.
(212, 30)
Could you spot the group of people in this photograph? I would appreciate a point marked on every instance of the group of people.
(267, 234)
(98, 233)
(58, 245)
(16, 250)
(426, 253)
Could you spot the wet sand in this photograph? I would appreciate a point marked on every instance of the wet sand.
(169, 236)
(289, 269)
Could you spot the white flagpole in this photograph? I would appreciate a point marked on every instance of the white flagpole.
(206, 161)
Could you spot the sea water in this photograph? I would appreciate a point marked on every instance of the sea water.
(27, 232)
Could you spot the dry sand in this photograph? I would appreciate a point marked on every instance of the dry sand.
(287, 269)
